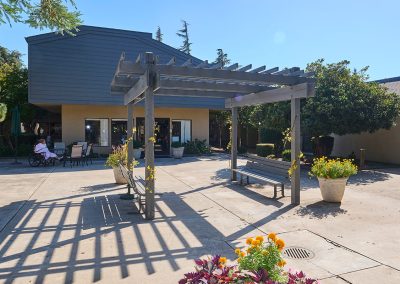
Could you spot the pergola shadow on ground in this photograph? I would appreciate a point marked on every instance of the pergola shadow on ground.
(68, 235)
(240, 86)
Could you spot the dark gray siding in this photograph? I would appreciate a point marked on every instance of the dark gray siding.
(79, 70)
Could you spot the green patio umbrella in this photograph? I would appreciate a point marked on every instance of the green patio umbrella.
(15, 128)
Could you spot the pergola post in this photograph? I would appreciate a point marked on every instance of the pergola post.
(149, 138)
(130, 132)
(295, 151)
(234, 133)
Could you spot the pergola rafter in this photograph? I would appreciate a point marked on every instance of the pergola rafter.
(145, 78)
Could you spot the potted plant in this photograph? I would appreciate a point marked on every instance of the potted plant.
(177, 149)
(118, 155)
(332, 175)
(137, 149)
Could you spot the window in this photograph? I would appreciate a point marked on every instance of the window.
(181, 131)
(96, 131)
(118, 131)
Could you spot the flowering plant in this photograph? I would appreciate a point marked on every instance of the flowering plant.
(261, 262)
(333, 168)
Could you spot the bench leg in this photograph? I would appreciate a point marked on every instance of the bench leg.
(283, 190)
(274, 191)
(248, 179)
(241, 179)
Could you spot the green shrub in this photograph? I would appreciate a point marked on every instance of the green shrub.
(197, 147)
(240, 150)
(177, 144)
(287, 155)
(137, 144)
(333, 168)
(23, 150)
(265, 149)
(118, 155)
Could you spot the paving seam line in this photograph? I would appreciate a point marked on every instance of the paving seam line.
(29, 198)
(240, 218)
(353, 251)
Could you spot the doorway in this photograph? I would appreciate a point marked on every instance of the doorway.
(161, 134)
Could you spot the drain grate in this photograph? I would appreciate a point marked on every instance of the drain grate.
(298, 253)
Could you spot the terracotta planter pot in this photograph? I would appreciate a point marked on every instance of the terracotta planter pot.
(177, 153)
(119, 179)
(332, 190)
(137, 152)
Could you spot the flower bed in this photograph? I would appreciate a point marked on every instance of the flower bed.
(260, 262)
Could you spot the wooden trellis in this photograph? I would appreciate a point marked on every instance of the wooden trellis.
(146, 77)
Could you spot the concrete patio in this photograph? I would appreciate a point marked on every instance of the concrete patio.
(63, 225)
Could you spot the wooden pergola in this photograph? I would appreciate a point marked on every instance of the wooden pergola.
(239, 86)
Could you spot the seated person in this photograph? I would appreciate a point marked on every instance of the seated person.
(41, 148)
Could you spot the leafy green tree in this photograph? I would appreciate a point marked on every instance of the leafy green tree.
(345, 103)
(222, 119)
(159, 35)
(52, 14)
(222, 58)
(184, 33)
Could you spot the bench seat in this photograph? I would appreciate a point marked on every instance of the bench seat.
(137, 184)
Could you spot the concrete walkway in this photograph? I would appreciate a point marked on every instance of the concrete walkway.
(63, 225)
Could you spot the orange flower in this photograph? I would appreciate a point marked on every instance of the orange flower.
(242, 254)
(280, 244)
(222, 260)
(281, 263)
(249, 241)
(255, 243)
(237, 251)
(260, 239)
(272, 236)
(248, 250)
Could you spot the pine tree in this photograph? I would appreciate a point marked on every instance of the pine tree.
(159, 35)
(222, 58)
(183, 33)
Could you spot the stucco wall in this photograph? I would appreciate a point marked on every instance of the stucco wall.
(381, 146)
(73, 119)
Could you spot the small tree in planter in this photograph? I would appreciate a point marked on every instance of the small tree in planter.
(177, 150)
(332, 175)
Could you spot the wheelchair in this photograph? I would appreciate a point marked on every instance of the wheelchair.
(38, 159)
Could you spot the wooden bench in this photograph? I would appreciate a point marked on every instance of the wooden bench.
(137, 186)
(269, 171)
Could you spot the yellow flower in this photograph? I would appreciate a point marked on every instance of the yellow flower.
(249, 241)
(222, 260)
(260, 239)
(242, 254)
(272, 237)
(238, 251)
(248, 250)
(265, 252)
(281, 263)
(280, 244)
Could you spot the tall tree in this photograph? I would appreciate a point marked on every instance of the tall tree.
(184, 33)
(222, 58)
(159, 35)
(52, 14)
(345, 103)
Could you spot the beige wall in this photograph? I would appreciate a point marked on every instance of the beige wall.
(73, 119)
(381, 146)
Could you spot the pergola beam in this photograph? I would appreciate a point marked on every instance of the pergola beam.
(210, 86)
(271, 96)
(139, 88)
(195, 93)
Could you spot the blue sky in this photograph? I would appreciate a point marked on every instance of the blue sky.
(281, 33)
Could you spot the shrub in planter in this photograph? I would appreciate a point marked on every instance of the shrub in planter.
(264, 149)
(332, 175)
(137, 149)
(137, 144)
(176, 145)
(260, 262)
(177, 149)
(119, 155)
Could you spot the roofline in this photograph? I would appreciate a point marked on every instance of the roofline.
(388, 80)
(83, 29)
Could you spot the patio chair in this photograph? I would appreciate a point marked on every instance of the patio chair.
(59, 148)
(88, 154)
(76, 155)
(84, 146)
